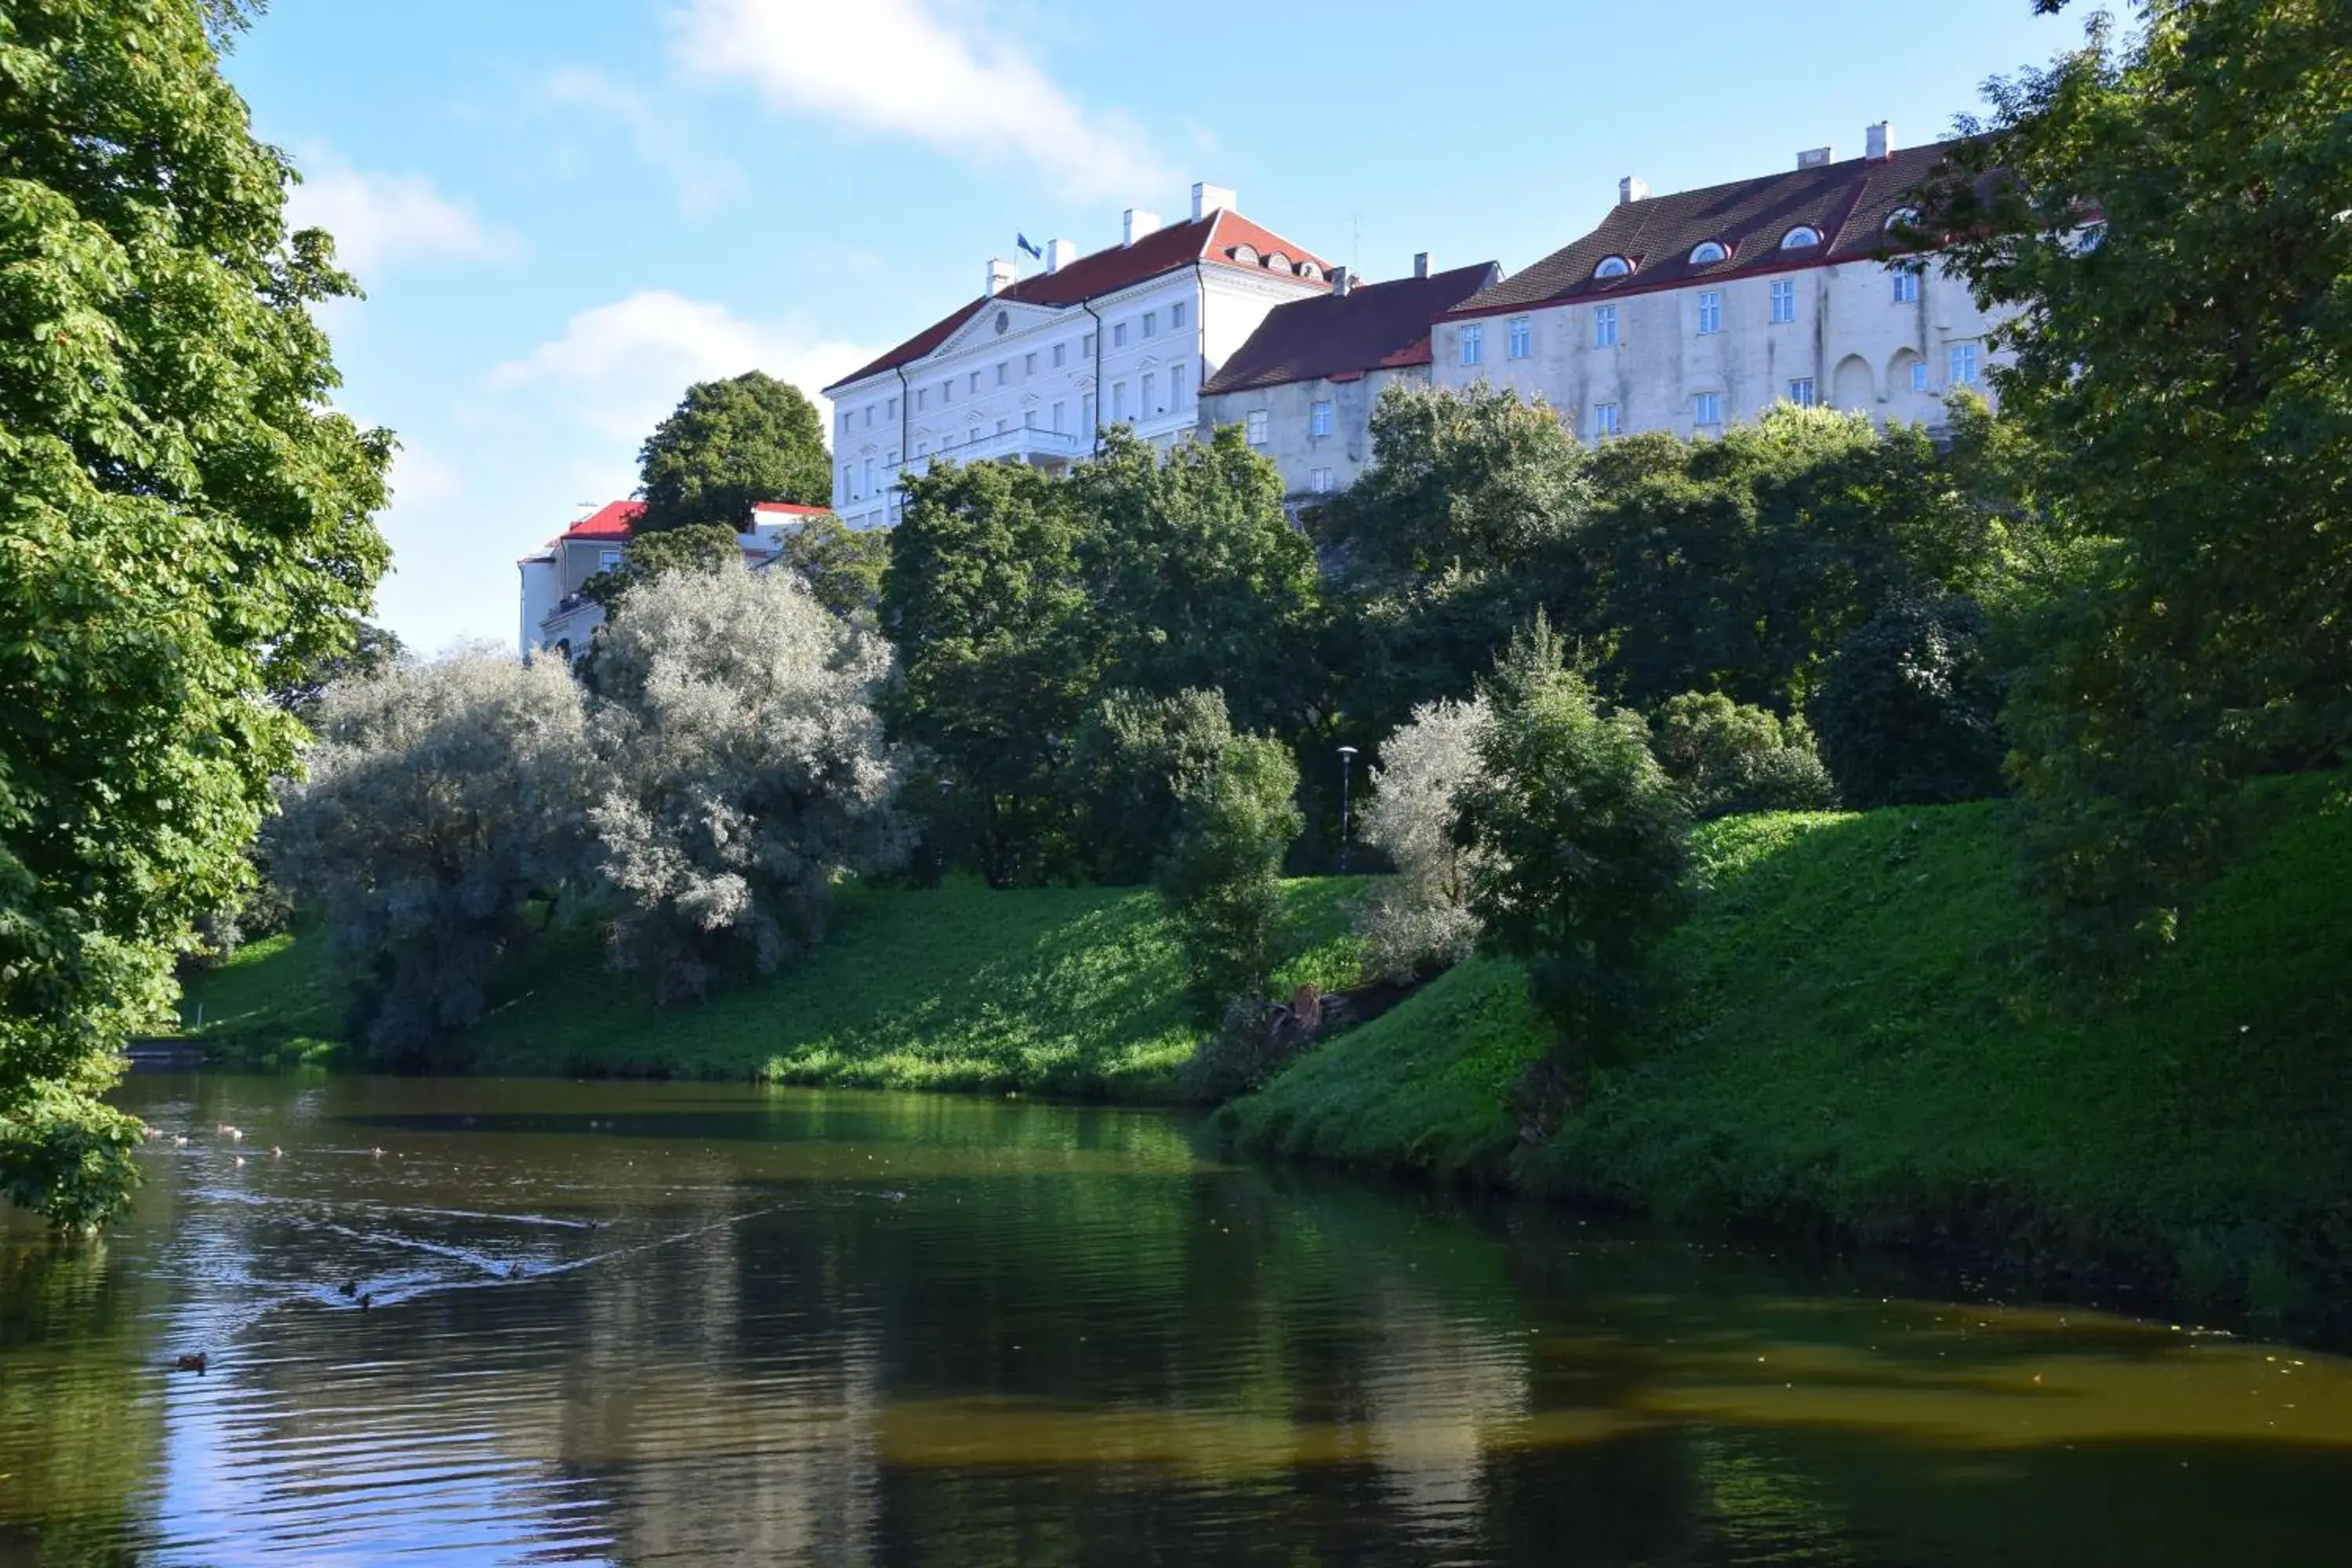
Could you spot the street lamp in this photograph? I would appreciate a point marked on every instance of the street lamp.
(1347, 761)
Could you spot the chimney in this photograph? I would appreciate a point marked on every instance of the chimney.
(1340, 281)
(1059, 253)
(1208, 198)
(1814, 157)
(1000, 276)
(1630, 189)
(1420, 264)
(1138, 224)
(1878, 143)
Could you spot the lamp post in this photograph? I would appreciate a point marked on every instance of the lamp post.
(1346, 761)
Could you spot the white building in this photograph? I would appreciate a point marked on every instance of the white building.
(1303, 387)
(1034, 366)
(554, 616)
(1683, 313)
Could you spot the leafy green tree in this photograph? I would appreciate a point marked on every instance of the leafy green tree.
(185, 526)
(2192, 371)
(1728, 758)
(1579, 842)
(728, 443)
(1129, 754)
(1222, 878)
(1909, 713)
(691, 548)
(842, 566)
(984, 602)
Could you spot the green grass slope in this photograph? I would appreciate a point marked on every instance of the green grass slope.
(1057, 991)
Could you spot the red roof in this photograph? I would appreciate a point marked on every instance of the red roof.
(1214, 240)
(789, 509)
(1339, 337)
(610, 521)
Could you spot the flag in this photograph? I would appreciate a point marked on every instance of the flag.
(1022, 241)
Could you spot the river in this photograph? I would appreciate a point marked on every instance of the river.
(531, 1323)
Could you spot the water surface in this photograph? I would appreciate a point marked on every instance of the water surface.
(483, 1321)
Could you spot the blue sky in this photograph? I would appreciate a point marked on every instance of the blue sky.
(564, 211)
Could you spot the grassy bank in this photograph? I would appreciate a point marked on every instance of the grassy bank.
(1056, 991)
(1860, 1042)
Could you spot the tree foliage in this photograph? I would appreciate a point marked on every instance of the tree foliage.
(1421, 917)
(1910, 712)
(1221, 876)
(842, 566)
(747, 768)
(1728, 758)
(728, 445)
(692, 548)
(439, 799)
(1130, 752)
(183, 525)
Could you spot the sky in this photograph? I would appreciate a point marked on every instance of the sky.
(564, 212)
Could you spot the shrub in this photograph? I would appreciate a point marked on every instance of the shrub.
(1221, 876)
(748, 770)
(1580, 841)
(1126, 759)
(439, 799)
(1422, 916)
(1908, 711)
(1730, 758)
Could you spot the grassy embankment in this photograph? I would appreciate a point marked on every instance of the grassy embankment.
(1859, 1042)
(1057, 991)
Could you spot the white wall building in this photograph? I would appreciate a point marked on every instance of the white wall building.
(1034, 366)
(554, 616)
(1684, 312)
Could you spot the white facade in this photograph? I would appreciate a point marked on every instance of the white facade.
(1034, 379)
(555, 616)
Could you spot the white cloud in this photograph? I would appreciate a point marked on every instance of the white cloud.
(903, 67)
(701, 179)
(382, 220)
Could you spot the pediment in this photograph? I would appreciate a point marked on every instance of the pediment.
(984, 328)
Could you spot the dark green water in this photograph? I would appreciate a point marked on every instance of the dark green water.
(631, 1323)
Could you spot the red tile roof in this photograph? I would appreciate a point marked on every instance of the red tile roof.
(789, 509)
(1211, 240)
(1848, 202)
(1374, 326)
(610, 521)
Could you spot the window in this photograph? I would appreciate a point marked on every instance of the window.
(1800, 392)
(947, 392)
(1061, 353)
(1319, 481)
(1707, 251)
(1605, 420)
(922, 397)
(1060, 410)
(1151, 323)
(1254, 426)
(1907, 285)
(1002, 366)
(1118, 401)
(844, 421)
(608, 560)
(1150, 390)
(1029, 420)
(975, 381)
(1903, 217)
(1177, 375)
(1118, 334)
(1804, 236)
(1706, 408)
(1784, 299)
(1918, 376)
(1523, 333)
(2094, 236)
(869, 417)
(1604, 326)
(1473, 344)
(1087, 345)
(1087, 413)
(1612, 266)
(848, 482)
(1319, 420)
(894, 408)
(866, 489)
(922, 448)
(1029, 363)
(1002, 425)
(1710, 311)
(1176, 314)
(1964, 365)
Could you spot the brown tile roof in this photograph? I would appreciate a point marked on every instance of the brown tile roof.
(1212, 240)
(1848, 202)
(1374, 326)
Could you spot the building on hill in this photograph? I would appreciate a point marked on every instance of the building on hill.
(555, 616)
(1034, 366)
(1686, 312)
(1303, 387)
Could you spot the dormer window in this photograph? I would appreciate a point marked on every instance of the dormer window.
(1614, 266)
(1309, 270)
(1278, 262)
(1804, 236)
(1246, 255)
(1902, 217)
(1707, 252)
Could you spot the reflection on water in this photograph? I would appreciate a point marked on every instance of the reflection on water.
(548, 1322)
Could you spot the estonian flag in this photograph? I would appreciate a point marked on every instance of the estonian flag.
(1022, 241)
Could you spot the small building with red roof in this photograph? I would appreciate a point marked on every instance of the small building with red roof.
(1034, 366)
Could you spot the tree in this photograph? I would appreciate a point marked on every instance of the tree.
(184, 524)
(1422, 916)
(373, 650)
(440, 799)
(748, 767)
(1222, 878)
(692, 548)
(728, 445)
(842, 566)
(2161, 213)
(1579, 842)
(1130, 755)
(1910, 712)
(1729, 758)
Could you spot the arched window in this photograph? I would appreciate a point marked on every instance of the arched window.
(1277, 261)
(1243, 254)
(1803, 237)
(1309, 271)
(1614, 266)
(1706, 251)
(1902, 217)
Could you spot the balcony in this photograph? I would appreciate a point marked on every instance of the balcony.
(1023, 443)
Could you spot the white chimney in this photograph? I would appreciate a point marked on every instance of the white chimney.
(1208, 198)
(1340, 280)
(1879, 142)
(1000, 276)
(1138, 224)
(1420, 264)
(1630, 189)
(1059, 253)
(1814, 157)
